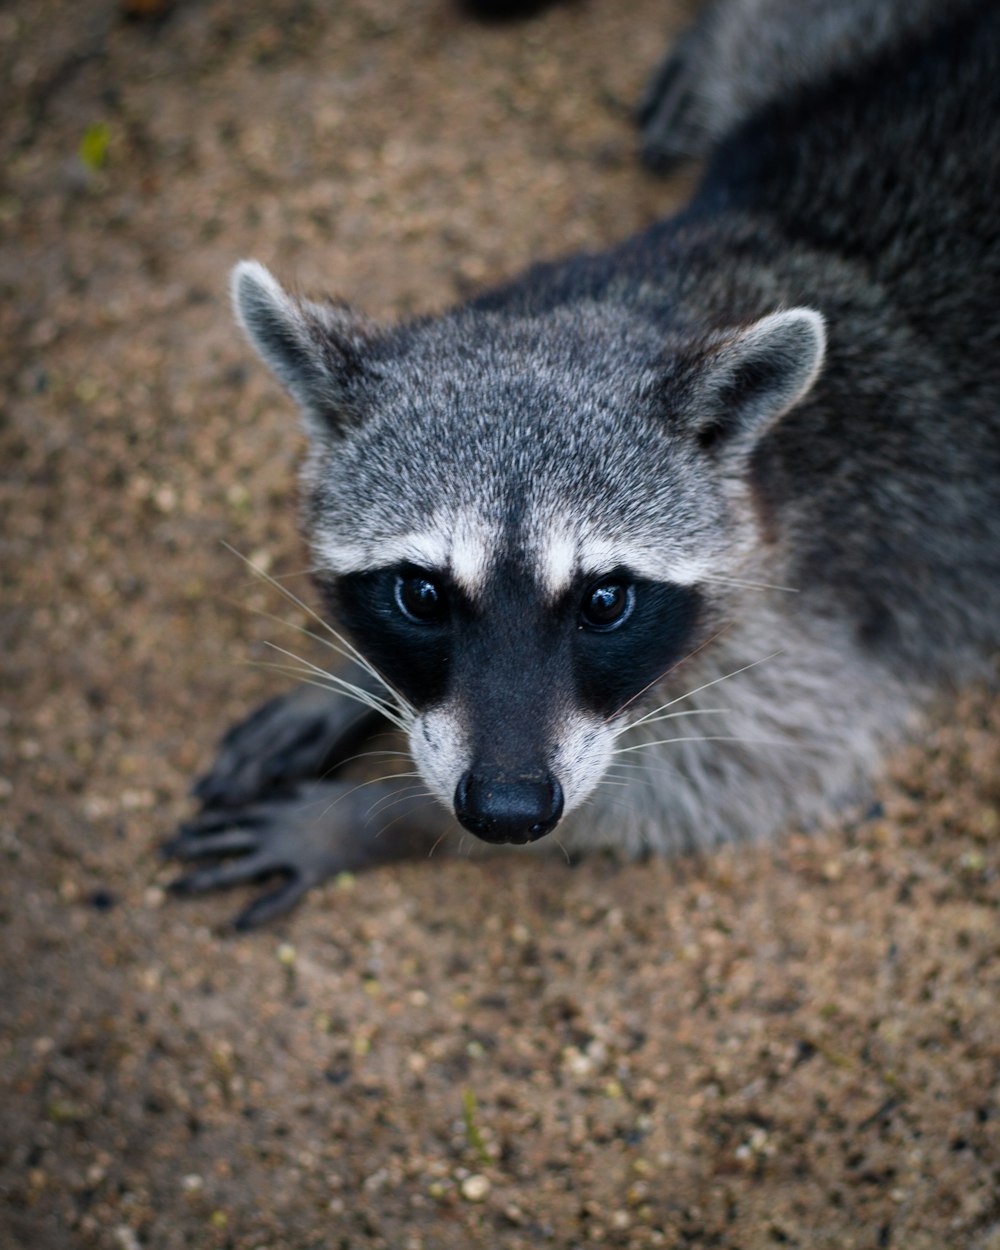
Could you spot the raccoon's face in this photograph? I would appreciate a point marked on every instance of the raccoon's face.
(516, 519)
(518, 686)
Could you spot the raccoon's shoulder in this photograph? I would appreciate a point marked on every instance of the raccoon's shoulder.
(867, 157)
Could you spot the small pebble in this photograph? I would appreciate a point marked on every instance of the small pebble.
(475, 1188)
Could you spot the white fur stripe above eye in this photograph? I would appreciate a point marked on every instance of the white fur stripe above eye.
(563, 557)
(474, 548)
(600, 558)
(426, 551)
(464, 547)
(557, 563)
(468, 547)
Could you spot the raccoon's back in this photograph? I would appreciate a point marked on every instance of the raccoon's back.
(896, 165)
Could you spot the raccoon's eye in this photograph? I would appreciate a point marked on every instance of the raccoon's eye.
(607, 605)
(420, 599)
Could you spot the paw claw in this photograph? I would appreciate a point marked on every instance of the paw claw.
(234, 841)
(288, 739)
(208, 789)
(221, 876)
(271, 905)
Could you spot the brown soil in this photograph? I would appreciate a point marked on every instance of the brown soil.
(797, 1046)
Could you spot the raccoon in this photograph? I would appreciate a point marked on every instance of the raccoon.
(665, 545)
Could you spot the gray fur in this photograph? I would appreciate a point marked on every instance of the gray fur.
(786, 399)
(739, 57)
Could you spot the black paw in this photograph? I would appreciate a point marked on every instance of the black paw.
(298, 735)
(305, 835)
(671, 116)
(248, 845)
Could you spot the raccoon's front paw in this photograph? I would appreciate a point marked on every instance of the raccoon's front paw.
(295, 736)
(672, 115)
(317, 831)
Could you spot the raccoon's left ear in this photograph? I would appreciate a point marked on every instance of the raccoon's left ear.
(317, 351)
(747, 379)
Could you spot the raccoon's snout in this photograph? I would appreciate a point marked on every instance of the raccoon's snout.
(498, 807)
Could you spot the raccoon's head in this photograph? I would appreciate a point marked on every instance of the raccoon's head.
(518, 519)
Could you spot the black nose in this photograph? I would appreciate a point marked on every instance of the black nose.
(500, 807)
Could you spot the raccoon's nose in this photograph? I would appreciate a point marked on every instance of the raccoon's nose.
(498, 807)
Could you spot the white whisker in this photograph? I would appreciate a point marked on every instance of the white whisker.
(350, 650)
(438, 841)
(325, 642)
(417, 789)
(305, 678)
(402, 816)
(662, 742)
(697, 690)
(377, 702)
(739, 581)
(364, 755)
(308, 571)
(372, 781)
(630, 809)
(562, 847)
(658, 714)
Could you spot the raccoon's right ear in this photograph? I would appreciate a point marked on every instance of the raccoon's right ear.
(317, 351)
(744, 380)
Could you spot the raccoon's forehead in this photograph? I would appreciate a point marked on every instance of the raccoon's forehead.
(496, 456)
(554, 552)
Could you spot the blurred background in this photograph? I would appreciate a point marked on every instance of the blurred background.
(791, 1046)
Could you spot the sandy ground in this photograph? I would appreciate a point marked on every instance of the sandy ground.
(795, 1046)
